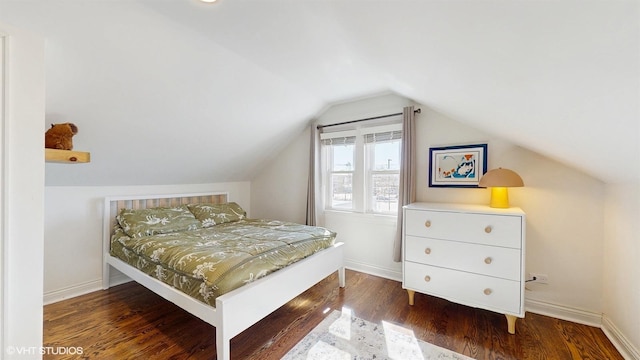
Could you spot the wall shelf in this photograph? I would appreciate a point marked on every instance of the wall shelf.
(66, 156)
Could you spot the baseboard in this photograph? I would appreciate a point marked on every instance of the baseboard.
(575, 315)
(617, 338)
(373, 270)
(81, 289)
(118, 279)
(71, 292)
(624, 346)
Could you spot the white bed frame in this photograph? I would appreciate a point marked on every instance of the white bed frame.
(235, 311)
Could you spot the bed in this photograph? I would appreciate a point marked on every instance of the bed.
(227, 305)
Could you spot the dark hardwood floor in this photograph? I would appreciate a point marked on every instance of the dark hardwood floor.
(131, 322)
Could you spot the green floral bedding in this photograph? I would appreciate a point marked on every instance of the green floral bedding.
(208, 262)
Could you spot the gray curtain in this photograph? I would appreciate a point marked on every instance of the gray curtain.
(407, 188)
(313, 188)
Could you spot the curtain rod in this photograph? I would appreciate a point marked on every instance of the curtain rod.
(367, 119)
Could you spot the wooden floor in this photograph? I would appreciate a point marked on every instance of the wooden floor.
(130, 322)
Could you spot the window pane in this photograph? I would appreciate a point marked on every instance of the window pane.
(386, 155)
(342, 186)
(342, 157)
(385, 193)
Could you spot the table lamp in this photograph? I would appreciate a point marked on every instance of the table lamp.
(499, 180)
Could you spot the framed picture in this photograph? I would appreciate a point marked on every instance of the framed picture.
(457, 166)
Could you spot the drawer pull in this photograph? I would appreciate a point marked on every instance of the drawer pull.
(427, 278)
(487, 291)
(427, 251)
(488, 260)
(427, 223)
(488, 229)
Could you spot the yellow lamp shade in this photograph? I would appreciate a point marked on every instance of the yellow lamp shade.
(499, 180)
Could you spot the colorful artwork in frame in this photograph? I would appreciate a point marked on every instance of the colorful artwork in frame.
(457, 166)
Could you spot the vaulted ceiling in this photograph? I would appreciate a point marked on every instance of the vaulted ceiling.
(179, 91)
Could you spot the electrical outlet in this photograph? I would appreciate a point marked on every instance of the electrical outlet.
(540, 278)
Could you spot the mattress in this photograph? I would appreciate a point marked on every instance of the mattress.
(208, 262)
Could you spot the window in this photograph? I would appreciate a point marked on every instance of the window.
(341, 170)
(361, 169)
(383, 177)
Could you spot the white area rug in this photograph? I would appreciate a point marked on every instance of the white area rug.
(341, 336)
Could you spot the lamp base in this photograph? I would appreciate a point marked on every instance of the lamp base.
(499, 197)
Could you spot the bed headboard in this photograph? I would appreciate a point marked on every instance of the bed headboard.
(136, 202)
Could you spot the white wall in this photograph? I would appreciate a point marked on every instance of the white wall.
(289, 171)
(280, 192)
(73, 229)
(621, 270)
(22, 195)
(564, 207)
(564, 210)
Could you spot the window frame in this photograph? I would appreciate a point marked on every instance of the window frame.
(371, 172)
(330, 174)
(363, 169)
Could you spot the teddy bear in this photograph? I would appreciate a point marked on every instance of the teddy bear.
(59, 136)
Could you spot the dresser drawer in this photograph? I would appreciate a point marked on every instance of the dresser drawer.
(481, 259)
(496, 230)
(465, 288)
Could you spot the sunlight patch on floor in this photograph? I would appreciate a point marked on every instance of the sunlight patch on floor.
(323, 351)
(401, 343)
(342, 326)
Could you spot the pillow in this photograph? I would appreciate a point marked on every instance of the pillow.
(213, 214)
(160, 220)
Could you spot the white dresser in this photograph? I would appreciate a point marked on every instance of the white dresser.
(469, 254)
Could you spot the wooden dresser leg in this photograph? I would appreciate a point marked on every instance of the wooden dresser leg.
(411, 296)
(511, 323)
